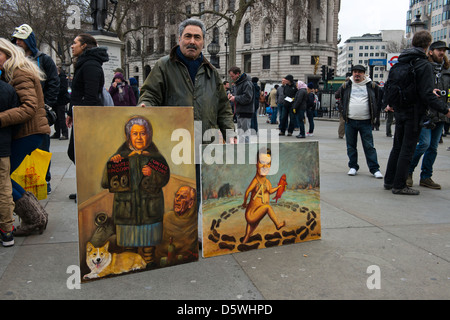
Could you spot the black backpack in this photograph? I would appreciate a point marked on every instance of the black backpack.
(400, 88)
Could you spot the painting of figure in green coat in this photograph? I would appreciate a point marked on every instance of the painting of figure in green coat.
(136, 198)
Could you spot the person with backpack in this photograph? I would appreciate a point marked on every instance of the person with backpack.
(409, 91)
(434, 121)
(358, 102)
(25, 38)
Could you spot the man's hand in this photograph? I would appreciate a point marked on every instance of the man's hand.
(448, 114)
(69, 122)
(437, 92)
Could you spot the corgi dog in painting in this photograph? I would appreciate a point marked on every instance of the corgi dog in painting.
(103, 263)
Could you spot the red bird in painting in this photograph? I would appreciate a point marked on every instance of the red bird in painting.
(283, 185)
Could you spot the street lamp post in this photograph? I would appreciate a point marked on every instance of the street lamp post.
(227, 35)
(213, 49)
(418, 24)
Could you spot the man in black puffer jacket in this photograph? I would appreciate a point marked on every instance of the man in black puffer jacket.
(407, 120)
(242, 97)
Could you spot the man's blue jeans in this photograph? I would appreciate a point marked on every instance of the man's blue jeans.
(428, 147)
(273, 119)
(364, 128)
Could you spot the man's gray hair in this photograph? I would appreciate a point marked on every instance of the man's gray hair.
(191, 22)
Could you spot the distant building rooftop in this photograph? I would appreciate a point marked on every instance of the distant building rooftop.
(366, 37)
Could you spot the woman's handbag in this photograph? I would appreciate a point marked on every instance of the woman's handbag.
(51, 115)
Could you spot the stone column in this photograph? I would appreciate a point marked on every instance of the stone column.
(289, 21)
(303, 36)
(323, 21)
(330, 21)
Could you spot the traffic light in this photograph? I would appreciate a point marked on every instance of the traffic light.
(330, 75)
(324, 72)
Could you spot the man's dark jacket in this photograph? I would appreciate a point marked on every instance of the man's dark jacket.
(424, 83)
(345, 91)
(244, 93)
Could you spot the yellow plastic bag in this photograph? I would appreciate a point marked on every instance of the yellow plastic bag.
(31, 173)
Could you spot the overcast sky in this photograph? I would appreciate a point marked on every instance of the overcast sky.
(358, 17)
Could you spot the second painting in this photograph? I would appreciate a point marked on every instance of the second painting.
(258, 196)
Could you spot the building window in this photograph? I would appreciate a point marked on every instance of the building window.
(295, 60)
(161, 46)
(138, 46)
(201, 8)
(266, 62)
(231, 5)
(309, 32)
(128, 48)
(215, 38)
(247, 63)
(216, 5)
(314, 59)
(150, 46)
(247, 33)
(173, 40)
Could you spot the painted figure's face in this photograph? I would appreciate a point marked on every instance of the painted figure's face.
(139, 137)
(263, 164)
(183, 200)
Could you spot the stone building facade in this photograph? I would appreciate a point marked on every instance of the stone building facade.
(435, 14)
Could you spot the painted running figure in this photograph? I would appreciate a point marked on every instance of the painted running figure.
(260, 189)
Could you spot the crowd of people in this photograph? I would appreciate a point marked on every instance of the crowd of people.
(31, 84)
(288, 105)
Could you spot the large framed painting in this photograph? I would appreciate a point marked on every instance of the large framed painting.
(257, 196)
(136, 189)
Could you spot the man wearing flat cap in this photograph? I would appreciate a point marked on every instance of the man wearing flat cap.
(434, 120)
(359, 96)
